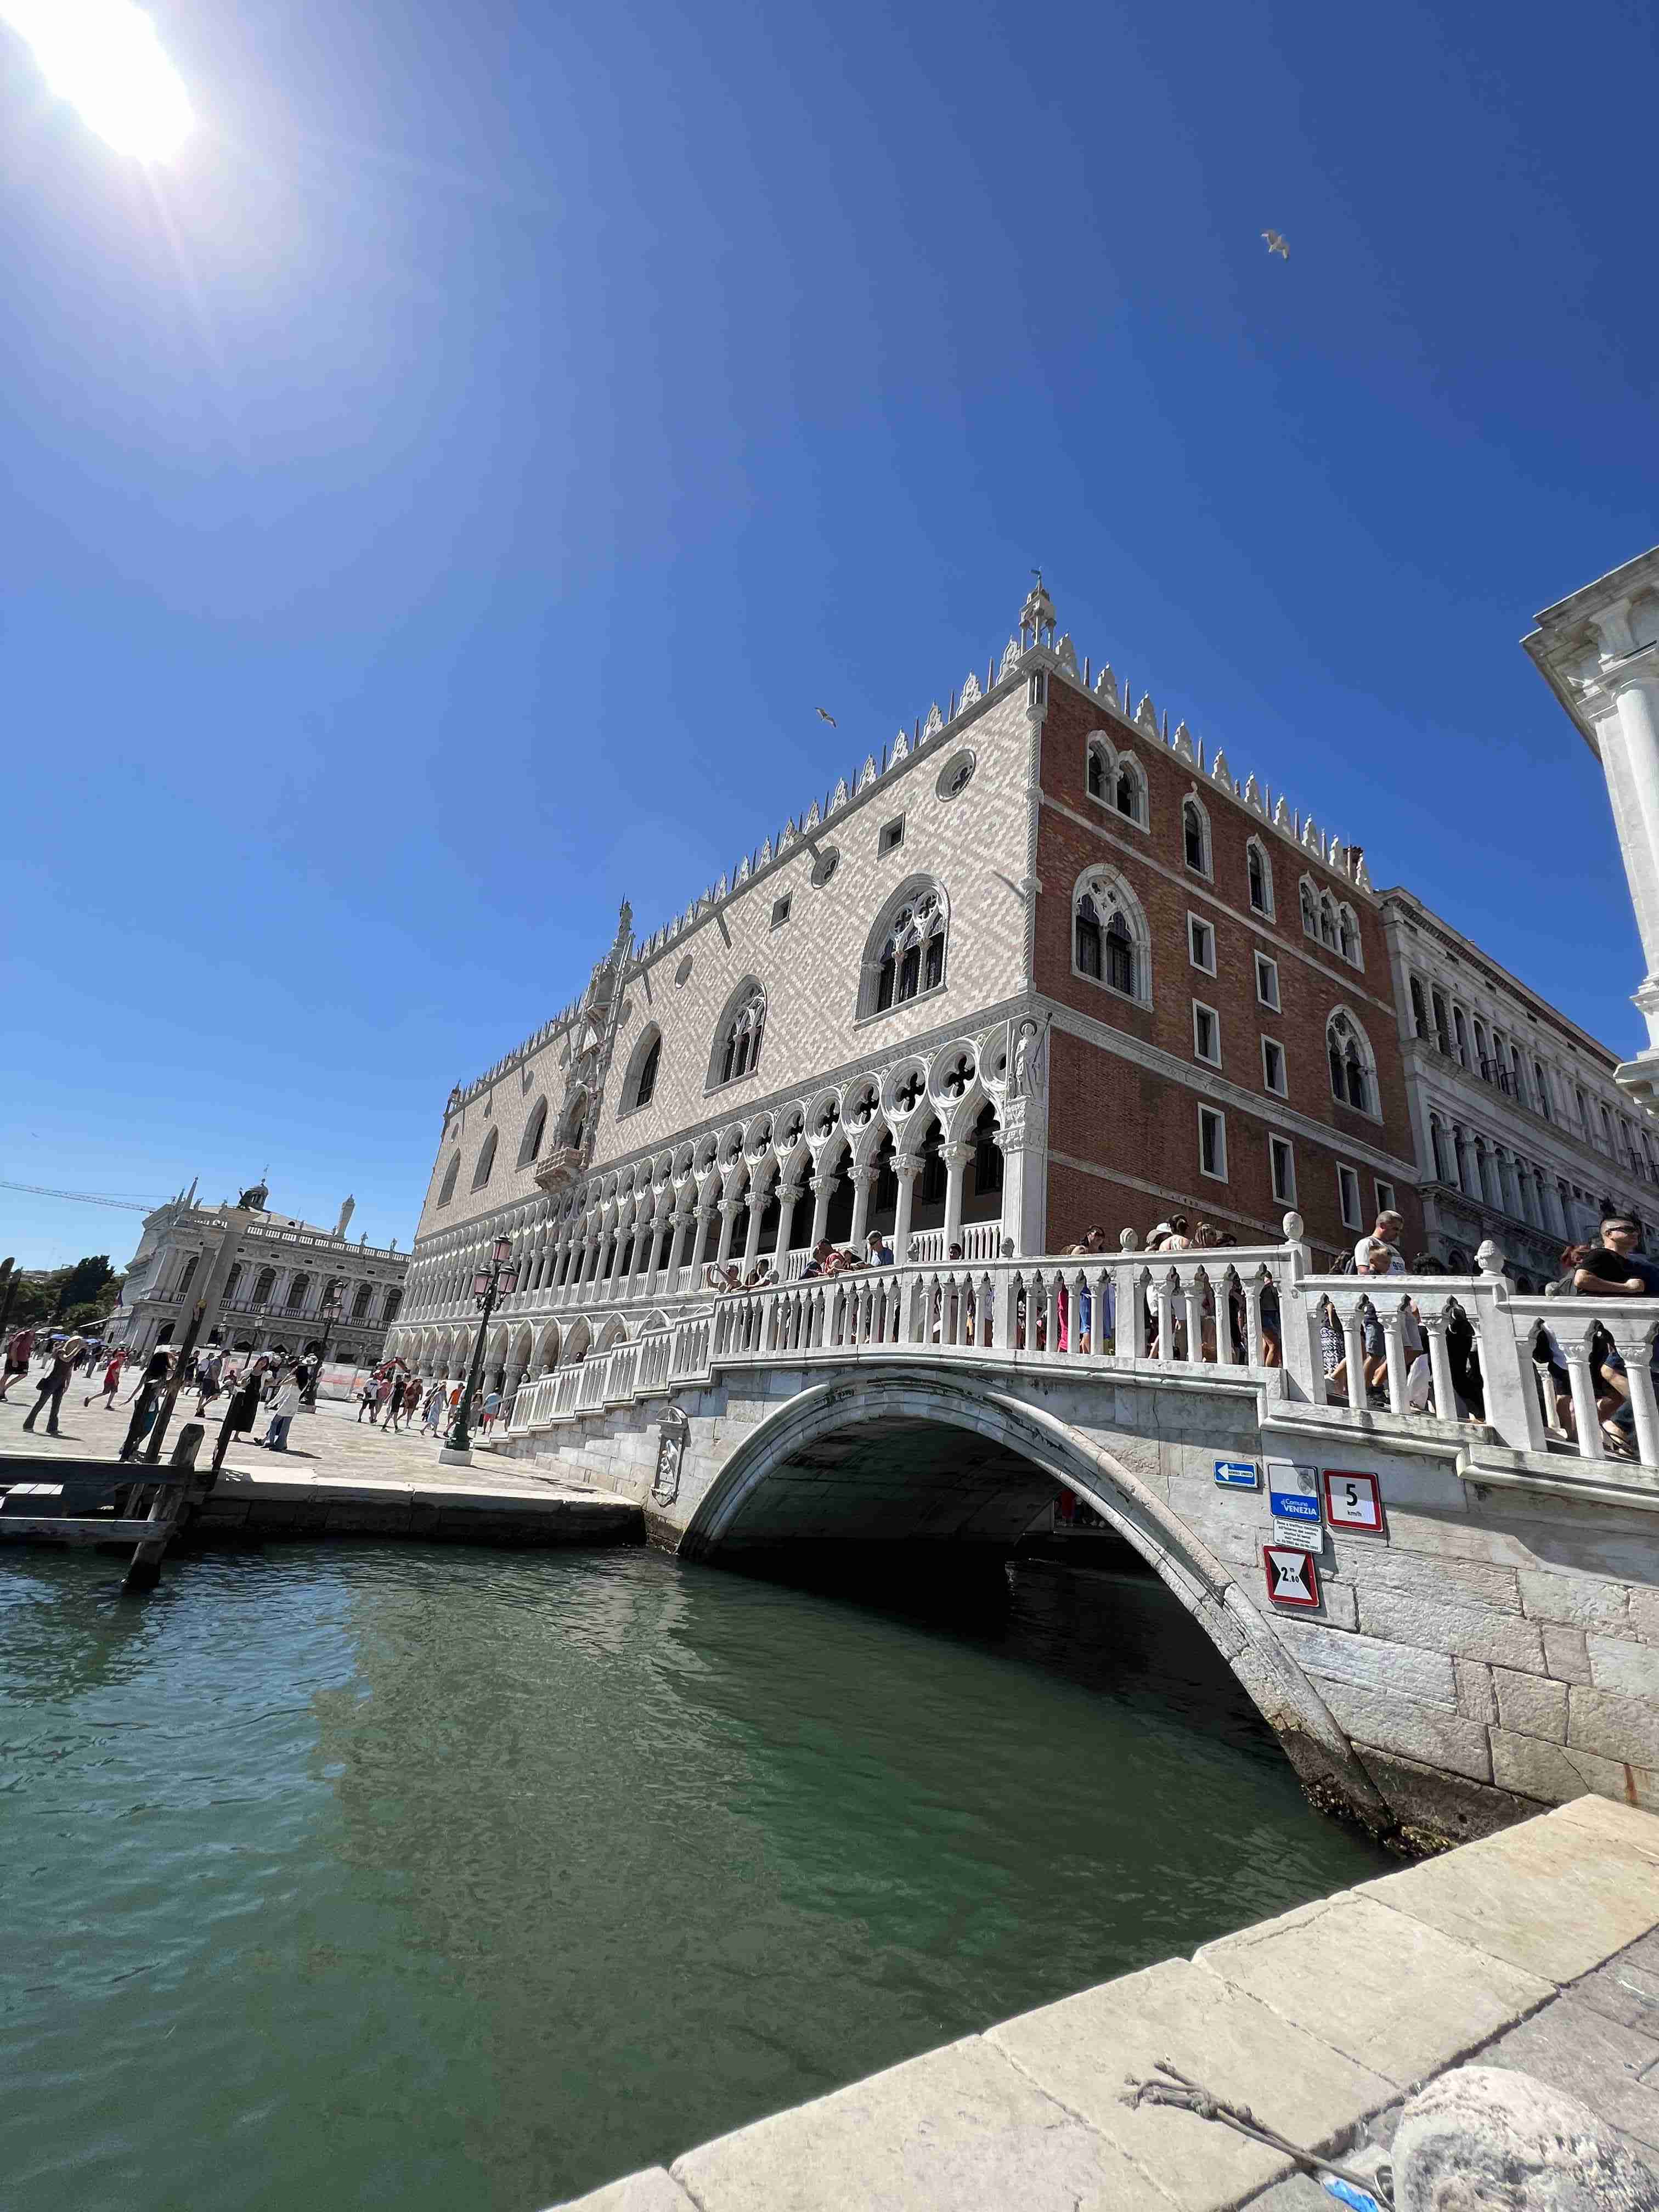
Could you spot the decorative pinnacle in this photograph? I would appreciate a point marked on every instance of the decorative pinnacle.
(1037, 614)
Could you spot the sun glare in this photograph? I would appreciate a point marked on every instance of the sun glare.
(103, 57)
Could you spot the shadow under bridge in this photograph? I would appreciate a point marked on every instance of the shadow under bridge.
(909, 1459)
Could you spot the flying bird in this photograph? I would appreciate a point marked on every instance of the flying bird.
(1276, 243)
(824, 715)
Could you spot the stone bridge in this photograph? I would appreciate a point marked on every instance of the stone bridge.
(1492, 1645)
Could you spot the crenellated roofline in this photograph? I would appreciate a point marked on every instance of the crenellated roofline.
(1034, 648)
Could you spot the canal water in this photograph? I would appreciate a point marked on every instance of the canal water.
(353, 1875)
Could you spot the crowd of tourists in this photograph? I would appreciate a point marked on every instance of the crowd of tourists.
(394, 1397)
(1608, 1264)
(271, 1387)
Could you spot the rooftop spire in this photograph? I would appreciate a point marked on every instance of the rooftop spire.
(1037, 614)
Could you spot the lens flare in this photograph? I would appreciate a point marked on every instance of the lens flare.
(103, 57)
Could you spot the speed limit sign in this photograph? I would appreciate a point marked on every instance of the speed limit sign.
(1352, 1501)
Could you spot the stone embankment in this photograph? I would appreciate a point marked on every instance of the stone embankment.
(343, 1477)
(1537, 1948)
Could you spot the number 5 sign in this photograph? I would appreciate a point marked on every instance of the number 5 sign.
(1352, 1501)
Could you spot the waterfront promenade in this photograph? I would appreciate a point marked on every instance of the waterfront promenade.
(1535, 1950)
(341, 1477)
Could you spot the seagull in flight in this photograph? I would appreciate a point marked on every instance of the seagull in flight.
(824, 715)
(1276, 243)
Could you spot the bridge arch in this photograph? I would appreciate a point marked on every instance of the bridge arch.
(860, 1436)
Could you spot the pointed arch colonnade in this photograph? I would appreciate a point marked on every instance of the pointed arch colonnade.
(915, 1146)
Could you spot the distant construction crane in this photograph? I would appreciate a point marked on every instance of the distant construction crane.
(87, 1197)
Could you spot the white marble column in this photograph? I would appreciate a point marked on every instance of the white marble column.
(705, 1215)
(864, 1182)
(729, 1208)
(1599, 650)
(956, 1157)
(823, 1189)
(907, 1171)
(788, 1192)
(758, 1201)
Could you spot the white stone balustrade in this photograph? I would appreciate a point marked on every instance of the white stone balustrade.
(1156, 1314)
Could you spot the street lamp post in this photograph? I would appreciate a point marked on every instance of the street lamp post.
(500, 1279)
(329, 1313)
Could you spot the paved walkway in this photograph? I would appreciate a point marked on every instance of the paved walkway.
(330, 1442)
(339, 1477)
(1537, 1949)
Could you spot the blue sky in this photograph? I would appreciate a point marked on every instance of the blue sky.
(437, 503)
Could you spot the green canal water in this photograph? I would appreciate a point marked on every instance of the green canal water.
(358, 1875)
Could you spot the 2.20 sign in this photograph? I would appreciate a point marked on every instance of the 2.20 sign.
(1352, 1501)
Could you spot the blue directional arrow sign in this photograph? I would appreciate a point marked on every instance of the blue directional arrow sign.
(1238, 1474)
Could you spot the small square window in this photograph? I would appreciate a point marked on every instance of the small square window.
(1200, 944)
(1385, 1198)
(892, 835)
(1207, 1033)
(1266, 981)
(1347, 1185)
(1272, 1067)
(1281, 1155)
(1213, 1143)
(780, 911)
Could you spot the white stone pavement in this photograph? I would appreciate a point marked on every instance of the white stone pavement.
(1536, 1947)
(341, 1477)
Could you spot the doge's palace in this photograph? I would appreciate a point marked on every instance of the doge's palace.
(1043, 965)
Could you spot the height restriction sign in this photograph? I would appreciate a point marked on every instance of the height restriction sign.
(1352, 1501)
(1293, 1576)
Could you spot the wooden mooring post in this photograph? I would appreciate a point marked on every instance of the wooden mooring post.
(69, 1501)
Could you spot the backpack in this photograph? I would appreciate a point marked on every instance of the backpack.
(1345, 1264)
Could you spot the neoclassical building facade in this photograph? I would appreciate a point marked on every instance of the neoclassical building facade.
(280, 1273)
(1523, 1133)
(1043, 966)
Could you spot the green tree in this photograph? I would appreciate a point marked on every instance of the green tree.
(82, 1283)
(37, 1299)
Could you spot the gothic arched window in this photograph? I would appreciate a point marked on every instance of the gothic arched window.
(1195, 835)
(1110, 939)
(1129, 793)
(1309, 910)
(905, 956)
(359, 1304)
(1347, 932)
(265, 1284)
(1352, 1069)
(738, 1041)
(1089, 951)
(1100, 771)
(481, 1173)
(639, 1084)
(1259, 872)
(1120, 955)
(647, 1082)
(535, 1130)
(1328, 922)
(446, 1191)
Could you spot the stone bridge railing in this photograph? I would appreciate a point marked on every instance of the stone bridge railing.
(1155, 1316)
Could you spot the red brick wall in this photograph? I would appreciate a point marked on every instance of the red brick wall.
(1107, 1111)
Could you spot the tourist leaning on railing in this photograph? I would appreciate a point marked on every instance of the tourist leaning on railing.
(1617, 1269)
